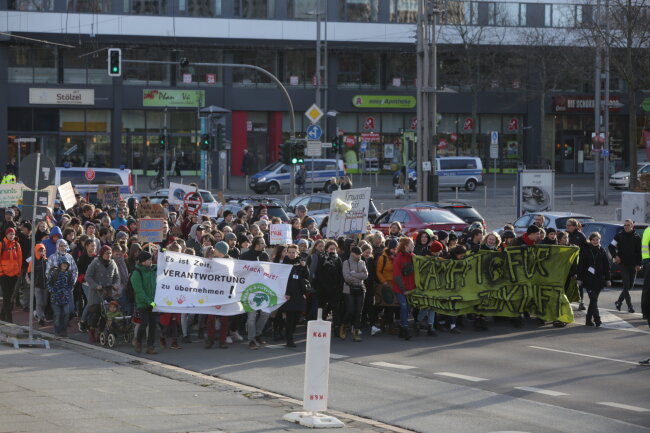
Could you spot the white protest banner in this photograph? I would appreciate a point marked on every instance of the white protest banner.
(348, 212)
(178, 191)
(151, 230)
(190, 284)
(11, 194)
(67, 195)
(210, 209)
(280, 234)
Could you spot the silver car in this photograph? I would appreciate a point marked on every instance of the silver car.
(556, 220)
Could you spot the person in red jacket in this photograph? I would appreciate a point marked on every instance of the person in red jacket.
(11, 262)
(403, 282)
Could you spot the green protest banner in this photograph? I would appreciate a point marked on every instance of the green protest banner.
(498, 283)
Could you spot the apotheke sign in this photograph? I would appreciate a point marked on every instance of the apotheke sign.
(62, 96)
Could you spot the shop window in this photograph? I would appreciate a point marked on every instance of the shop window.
(392, 122)
(403, 11)
(490, 122)
(79, 150)
(201, 76)
(146, 7)
(256, 9)
(300, 9)
(182, 122)
(200, 8)
(300, 68)
(89, 6)
(145, 74)
(31, 5)
(358, 70)
(365, 11)
(461, 13)
(287, 125)
(89, 69)
(401, 70)
(133, 121)
(265, 59)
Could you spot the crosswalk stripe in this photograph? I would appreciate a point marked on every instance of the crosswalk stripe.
(389, 365)
(624, 406)
(541, 391)
(461, 376)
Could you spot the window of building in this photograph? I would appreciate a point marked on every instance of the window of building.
(200, 8)
(507, 14)
(358, 70)
(365, 11)
(85, 137)
(146, 7)
(403, 11)
(32, 64)
(258, 9)
(89, 69)
(31, 5)
(265, 59)
(561, 15)
(144, 74)
(300, 68)
(89, 6)
(461, 13)
(192, 75)
(401, 70)
(300, 9)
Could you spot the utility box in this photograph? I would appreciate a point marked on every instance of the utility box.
(636, 206)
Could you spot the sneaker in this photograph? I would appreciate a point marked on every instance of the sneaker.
(259, 341)
(228, 340)
(174, 346)
(41, 322)
(236, 337)
(163, 343)
(223, 346)
(581, 306)
(83, 328)
(645, 362)
(342, 333)
(252, 345)
(618, 305)
(455, 330)
(151, 351)
(630, 310)
(374, 330)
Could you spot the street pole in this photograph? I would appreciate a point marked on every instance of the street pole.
(318, 78)
(597, 116)
(606, 144)
(420, 105)
(164, 185)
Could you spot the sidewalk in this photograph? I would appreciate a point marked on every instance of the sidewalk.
(74, 388)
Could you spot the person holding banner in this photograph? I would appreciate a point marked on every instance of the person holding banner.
(329, 285)
(256, 319)
(297, 286)
(594, 273)
(403, 282)
(220, 251)
(143, 281)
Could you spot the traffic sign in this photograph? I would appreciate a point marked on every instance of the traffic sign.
(46, 171)
(89, 174)
(494, 151)
(314, 149)
(314, 132)
(314, 113)
(326, 145)
(192, 202)
(494, 137)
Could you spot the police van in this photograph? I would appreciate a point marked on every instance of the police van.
(102, 176)
(453, 172)
(276, 177)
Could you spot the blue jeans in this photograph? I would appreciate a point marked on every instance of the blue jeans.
(431, 316)
(61, 313)
(403, 310)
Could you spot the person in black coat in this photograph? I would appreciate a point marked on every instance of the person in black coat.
(296, 291)
(626, 252)
(328, 282)
(593, 274)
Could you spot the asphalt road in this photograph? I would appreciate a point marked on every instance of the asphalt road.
(535, 379)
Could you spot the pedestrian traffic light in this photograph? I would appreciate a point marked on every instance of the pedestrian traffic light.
(285, 152)
(221, 136)
(114, 62)
(162, 141)
(205, 142)
(298, 156)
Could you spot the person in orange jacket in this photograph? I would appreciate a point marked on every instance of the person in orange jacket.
(11, 262)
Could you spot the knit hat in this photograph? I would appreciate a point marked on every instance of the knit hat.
(62, 242)
(222, 247)
(10, 230)
(442, 235)
(355, 250)
(144, 256)
(304, 232)
(452, 237)
(309, 221)
(10, 211)
(117, 304)
(435, 247)
(508, 234)
(229, 236)
(105, 249)
(88, 223)
(532, 229)
(303, 241)
(550, 230)
(392, 243)
(27, 225)
(121, 235)
(301, 208)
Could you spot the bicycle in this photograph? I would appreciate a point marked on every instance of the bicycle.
(157, 181)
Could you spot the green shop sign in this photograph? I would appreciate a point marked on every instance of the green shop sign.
(646, 104)
(173, 98)
(383, 101)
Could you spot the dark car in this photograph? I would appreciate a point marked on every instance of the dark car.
(413, 219)
(607, 232)
(462, 210)
(320, 203)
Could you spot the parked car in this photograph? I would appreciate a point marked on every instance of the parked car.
(103, 176)
(413, 219)
(276, 177)
(273, 208)
(453, 172)
(320, 204)
(557, 220)
(621, 179)
(607, 232)
(462, 210)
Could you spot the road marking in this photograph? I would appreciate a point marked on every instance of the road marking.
(336, 356)
(624, 406)
(389, 365)
(584, 355)
(541, 391)
(461, 376)
(612, 321)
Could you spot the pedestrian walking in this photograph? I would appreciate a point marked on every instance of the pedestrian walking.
(59, 284)
(296, 292)
(37, 270)
(143, 281)
(625, 249)
(354, 275)
(593, 275)
(11, 261)
(403, 281)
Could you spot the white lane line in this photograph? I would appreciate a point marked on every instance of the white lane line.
(389, 365)
(460, 376)
(584, 355)
(624, 406)
(336, 356)
(541, 391)
(612, 321)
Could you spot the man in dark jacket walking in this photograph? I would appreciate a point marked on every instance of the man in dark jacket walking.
(626, 252)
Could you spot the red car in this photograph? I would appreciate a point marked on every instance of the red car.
(413, 219)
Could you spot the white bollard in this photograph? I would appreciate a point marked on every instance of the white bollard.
(317, 369)
(456, 193)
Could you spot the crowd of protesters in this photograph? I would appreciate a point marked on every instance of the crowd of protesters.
(90, 255)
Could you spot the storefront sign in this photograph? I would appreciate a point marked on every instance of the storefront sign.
(468, 125)
(414, 123)
(62, 96)
(579, 104)
(369, 124)
(173, 98)
(187, 78)
(513, 125)
(646, 104)
(211, 78)
(383, 101)
(370, 137)
(350, 141)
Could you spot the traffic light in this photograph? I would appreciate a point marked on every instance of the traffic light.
(221, 136)
(285, 152)
(114, 62)
(298, 156)
(162, 141)
(205, 142)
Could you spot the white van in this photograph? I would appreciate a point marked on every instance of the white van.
(276, 177)
(103, 176)
(459, 171)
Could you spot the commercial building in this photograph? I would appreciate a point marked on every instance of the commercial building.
(60, 92)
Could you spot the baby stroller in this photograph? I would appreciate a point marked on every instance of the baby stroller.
(110, 328)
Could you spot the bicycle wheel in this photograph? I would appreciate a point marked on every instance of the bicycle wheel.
(154, 183)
